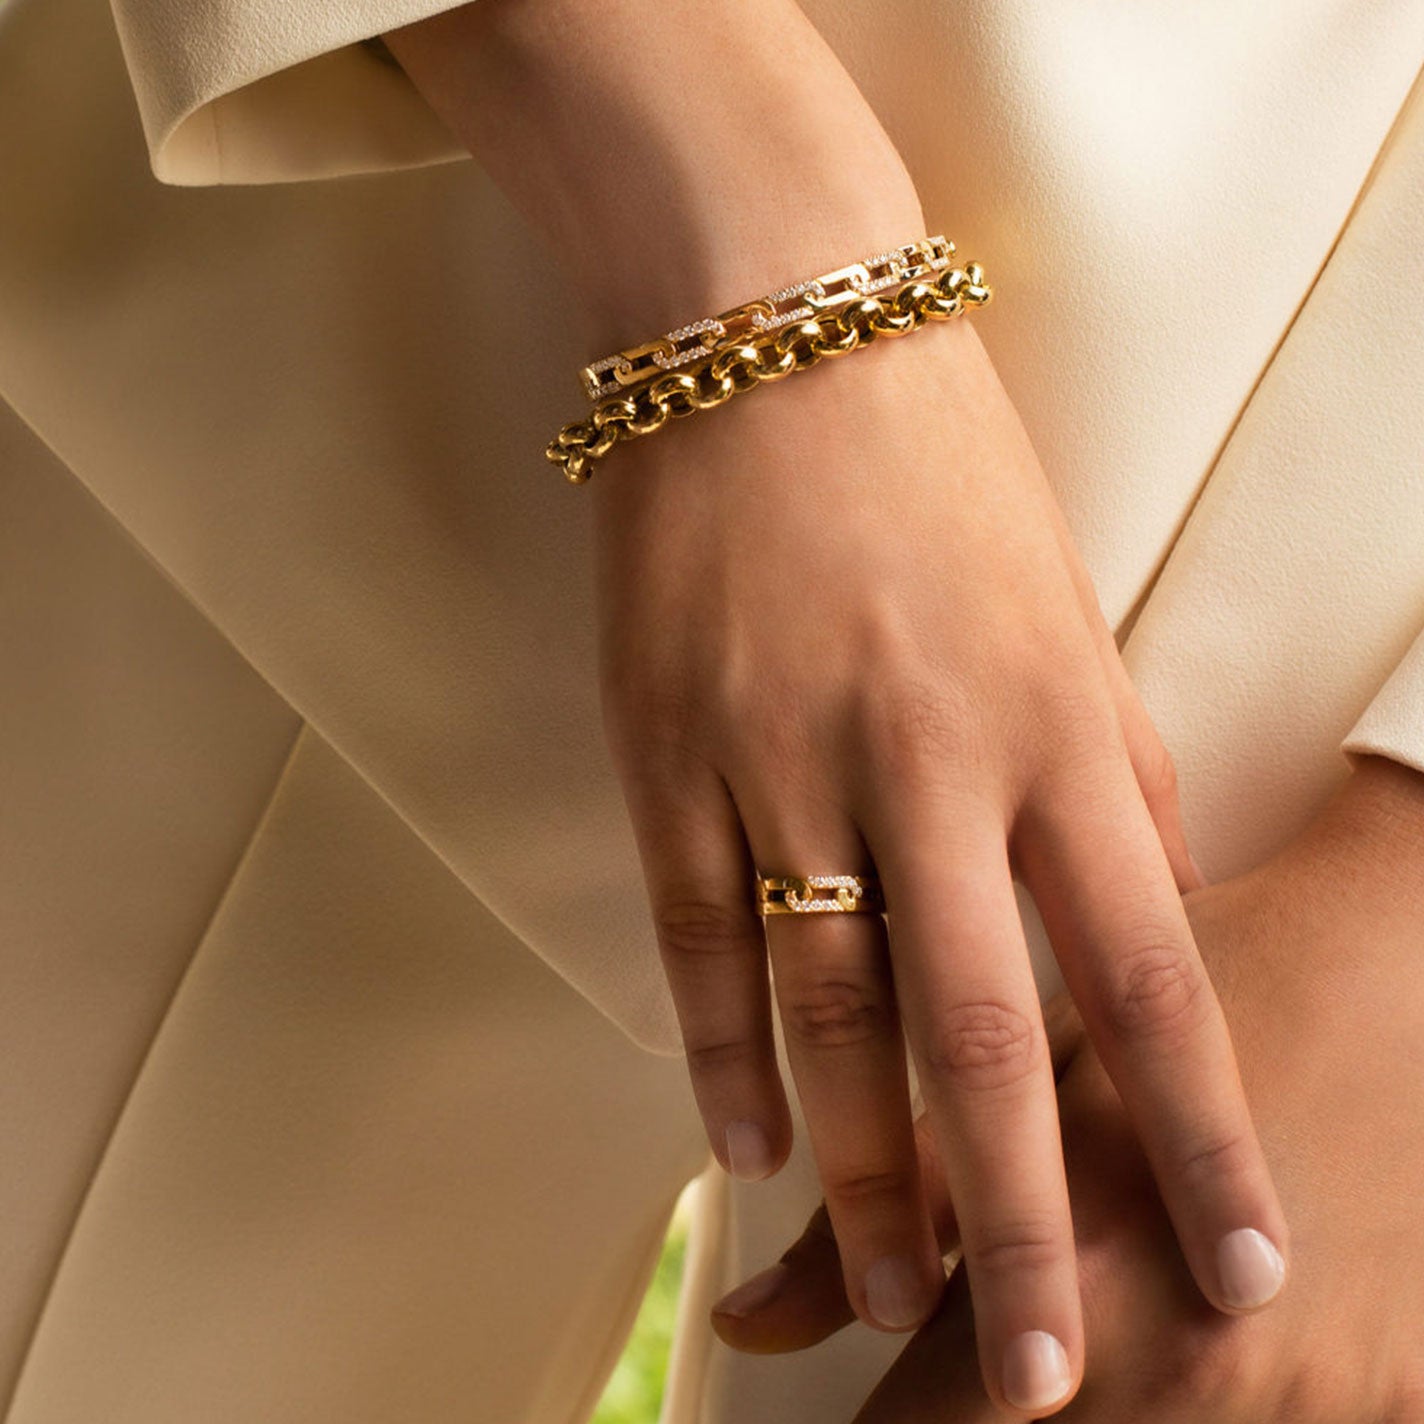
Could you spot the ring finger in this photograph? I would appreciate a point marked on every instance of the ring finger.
(836, 999)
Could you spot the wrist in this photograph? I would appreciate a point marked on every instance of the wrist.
(665, 189)
(689, 272)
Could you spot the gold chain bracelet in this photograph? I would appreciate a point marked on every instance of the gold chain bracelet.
(770, 357)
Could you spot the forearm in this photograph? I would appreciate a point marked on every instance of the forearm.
(678, 158)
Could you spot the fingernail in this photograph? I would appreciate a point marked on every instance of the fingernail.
(751, 1295)
(1036, 1372)
(894, 1293)
(748, 1151)
(1249, 1268)
(1195, 864)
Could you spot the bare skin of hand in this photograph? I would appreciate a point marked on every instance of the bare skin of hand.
(843, 629)
(1318, 955)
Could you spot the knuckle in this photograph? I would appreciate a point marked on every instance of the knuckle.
(858, 1187)
(982, 1046)
(1157, 774)
(775, 734)
(836, 1013)
(1079, 720)
(648, 719)
(911, 726)
(1155, 990)
(1228, 1157)
(690, 928)
(717, 1055)
(1017, 1246)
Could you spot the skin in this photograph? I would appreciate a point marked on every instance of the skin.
(843, 627)
(1316, 953)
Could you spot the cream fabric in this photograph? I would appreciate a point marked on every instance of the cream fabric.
(266, 92)
(301, 766)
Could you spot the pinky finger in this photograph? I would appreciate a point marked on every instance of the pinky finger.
(699, 875)
(1151, 762)
(1156, 775)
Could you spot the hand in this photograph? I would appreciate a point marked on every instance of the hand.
(1316, 954)
(802, 675)
(842, 627)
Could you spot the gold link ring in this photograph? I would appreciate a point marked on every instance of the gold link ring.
(818, 894)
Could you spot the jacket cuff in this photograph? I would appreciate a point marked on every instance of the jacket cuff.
(276, 91)
(1393, 723)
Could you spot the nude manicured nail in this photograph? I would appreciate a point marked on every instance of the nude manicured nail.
(894, 1293)
(753, 1294)
(1036, 1371)
(1249, 1268)
(748, 1151)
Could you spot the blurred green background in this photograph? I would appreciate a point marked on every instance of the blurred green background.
(635, 1389)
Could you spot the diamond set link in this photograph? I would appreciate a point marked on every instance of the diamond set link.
(796, 894)
(613, 374)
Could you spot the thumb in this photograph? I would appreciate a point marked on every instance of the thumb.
(795, 1303)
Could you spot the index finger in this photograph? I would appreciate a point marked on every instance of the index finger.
(1090, 855)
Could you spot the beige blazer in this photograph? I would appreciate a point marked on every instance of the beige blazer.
(334, 1033)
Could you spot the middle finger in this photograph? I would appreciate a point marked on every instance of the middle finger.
(972, 1016)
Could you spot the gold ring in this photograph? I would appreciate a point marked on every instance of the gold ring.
(797, 894)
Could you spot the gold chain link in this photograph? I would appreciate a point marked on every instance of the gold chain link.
(716, 378)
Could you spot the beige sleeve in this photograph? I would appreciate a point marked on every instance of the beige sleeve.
(273, 91)
(1393, 723)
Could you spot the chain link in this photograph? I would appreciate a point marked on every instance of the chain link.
(716, 378)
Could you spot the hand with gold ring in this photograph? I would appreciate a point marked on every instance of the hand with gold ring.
(845, 632)
(843, 629)
(1316, 953)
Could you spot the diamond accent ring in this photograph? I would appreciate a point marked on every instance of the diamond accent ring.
(804, 894)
